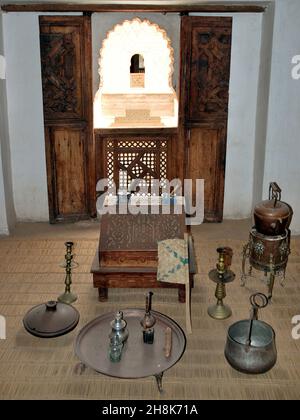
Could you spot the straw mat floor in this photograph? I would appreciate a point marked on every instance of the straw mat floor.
(32, 368)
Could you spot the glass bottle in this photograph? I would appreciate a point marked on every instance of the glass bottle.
(119, 327)
(115, 348)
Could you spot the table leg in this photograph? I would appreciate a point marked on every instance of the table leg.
(181, 293)
(159, 378)
(79, 368)
(103, 294)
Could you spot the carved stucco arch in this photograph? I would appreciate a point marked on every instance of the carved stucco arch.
(131, 37)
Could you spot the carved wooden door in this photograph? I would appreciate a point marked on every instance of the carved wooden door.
(67, 96)
(205, 71)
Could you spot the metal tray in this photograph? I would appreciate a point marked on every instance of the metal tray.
(139, 360)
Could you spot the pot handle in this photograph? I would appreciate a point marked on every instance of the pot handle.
(258, 301)
(274, 192)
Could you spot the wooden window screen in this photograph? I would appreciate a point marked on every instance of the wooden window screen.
(136, 158)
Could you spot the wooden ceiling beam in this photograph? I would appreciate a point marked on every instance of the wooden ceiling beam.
(90, 8)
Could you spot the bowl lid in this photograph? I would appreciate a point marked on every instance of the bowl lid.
(272, 208)
(51, 319)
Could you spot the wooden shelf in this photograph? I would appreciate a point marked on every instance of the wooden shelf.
(235, 7)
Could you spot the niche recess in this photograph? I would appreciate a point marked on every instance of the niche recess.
(136, 68)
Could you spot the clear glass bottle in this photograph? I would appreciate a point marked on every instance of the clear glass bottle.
(115, 348)
(119, 327)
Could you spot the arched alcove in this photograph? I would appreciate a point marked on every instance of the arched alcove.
(136, 68)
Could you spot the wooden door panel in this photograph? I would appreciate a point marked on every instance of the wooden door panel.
(205, 162)
(205, 74)
(70, 176)
(62, 72)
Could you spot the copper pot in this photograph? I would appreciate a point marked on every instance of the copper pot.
(272, 217)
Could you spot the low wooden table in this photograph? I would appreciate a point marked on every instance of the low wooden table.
(139, 360)
(127, 255)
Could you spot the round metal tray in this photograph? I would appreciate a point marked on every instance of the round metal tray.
(138, 360)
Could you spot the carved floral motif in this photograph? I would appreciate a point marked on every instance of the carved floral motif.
(210, 71)
(58, 57)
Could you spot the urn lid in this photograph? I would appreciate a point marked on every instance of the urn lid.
(272, 208)
(51, 319)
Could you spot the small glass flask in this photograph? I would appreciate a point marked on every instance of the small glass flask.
(148, 336)
(119, 327)
(115, 348)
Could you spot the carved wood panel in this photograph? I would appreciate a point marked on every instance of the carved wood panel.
(207, 67)
(67, 95)
(139, 232)
(62, 70)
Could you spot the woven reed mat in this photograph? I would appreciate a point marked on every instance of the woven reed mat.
(33, 368)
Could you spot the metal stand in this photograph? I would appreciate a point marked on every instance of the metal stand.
(159, 378)
(68, 297)
(272, 278)
(257, 258)
(221, 276)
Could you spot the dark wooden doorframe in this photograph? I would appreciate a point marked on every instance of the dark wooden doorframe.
(66, 61)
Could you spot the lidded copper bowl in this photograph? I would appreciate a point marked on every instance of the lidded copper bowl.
(272, 217)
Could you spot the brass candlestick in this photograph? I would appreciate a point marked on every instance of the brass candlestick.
(220, 275)
(68, 297)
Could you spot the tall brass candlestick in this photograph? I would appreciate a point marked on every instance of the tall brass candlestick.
(68, 297)
(220, 275)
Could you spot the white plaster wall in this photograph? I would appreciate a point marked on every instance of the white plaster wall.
(283, 136)
(3, 217)
(25, 116)
(263, 104)
(243, 91)
(7, 212)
